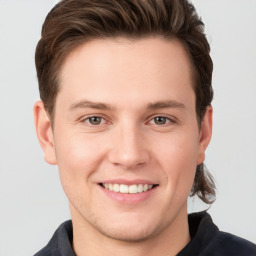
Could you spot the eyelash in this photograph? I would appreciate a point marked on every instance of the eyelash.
(166, 119)
(91, 117)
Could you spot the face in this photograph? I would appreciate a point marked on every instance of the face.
(125, 137)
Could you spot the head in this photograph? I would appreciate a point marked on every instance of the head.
(75, 28)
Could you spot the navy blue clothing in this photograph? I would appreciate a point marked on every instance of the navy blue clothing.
(206, 240)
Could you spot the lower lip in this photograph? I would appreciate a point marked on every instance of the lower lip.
(128, 198)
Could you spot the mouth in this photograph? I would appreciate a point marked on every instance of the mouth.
(128, 189)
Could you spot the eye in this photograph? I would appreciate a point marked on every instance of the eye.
(94, 120)
(160, 120)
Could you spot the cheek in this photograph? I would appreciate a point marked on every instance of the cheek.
(178, 158)
(179, 149)
(77, 156)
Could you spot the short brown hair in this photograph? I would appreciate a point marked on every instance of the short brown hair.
(73, 22)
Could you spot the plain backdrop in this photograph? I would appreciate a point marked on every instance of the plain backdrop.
(32, 203)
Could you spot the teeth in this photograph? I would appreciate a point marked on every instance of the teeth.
(133, 189)
(116, 188)
(140, 188)
(125, 189)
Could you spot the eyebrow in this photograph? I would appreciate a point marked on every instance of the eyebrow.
(103, 106)
(89, 104)
(165, 104)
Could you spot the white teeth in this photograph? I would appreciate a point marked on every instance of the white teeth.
(133, 189)
(145, 188)
(116, 188)
(125, 189)
(140, 188)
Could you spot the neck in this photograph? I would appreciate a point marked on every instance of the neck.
(88, 241)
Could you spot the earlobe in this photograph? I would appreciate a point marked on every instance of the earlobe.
(44, 132)
(205, 134)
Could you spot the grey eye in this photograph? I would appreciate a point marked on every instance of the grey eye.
(160, 120)
(95, 120)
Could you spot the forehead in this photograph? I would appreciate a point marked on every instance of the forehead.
(120, 66)
(98, 53)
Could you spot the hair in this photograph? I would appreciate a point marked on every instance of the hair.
(73, 22)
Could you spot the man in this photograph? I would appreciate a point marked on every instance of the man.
(126, 114)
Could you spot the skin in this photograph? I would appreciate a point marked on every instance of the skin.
(128, 142)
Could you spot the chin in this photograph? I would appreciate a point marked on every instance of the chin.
(129, 230)
(128, 234)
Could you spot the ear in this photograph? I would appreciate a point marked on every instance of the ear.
(205, 134)
(44, 132)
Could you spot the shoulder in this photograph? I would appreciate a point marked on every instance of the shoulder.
(60, 243)
(208, 240)
(47, 251)
(233, 244)
(228, 244)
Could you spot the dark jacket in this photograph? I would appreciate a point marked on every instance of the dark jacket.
(206, 240)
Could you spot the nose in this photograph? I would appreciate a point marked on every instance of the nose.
(128, 148)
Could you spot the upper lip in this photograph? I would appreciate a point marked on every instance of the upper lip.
(128, 182)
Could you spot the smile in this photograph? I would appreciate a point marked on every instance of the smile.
(128, 189)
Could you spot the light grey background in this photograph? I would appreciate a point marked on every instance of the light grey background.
(32, 203)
